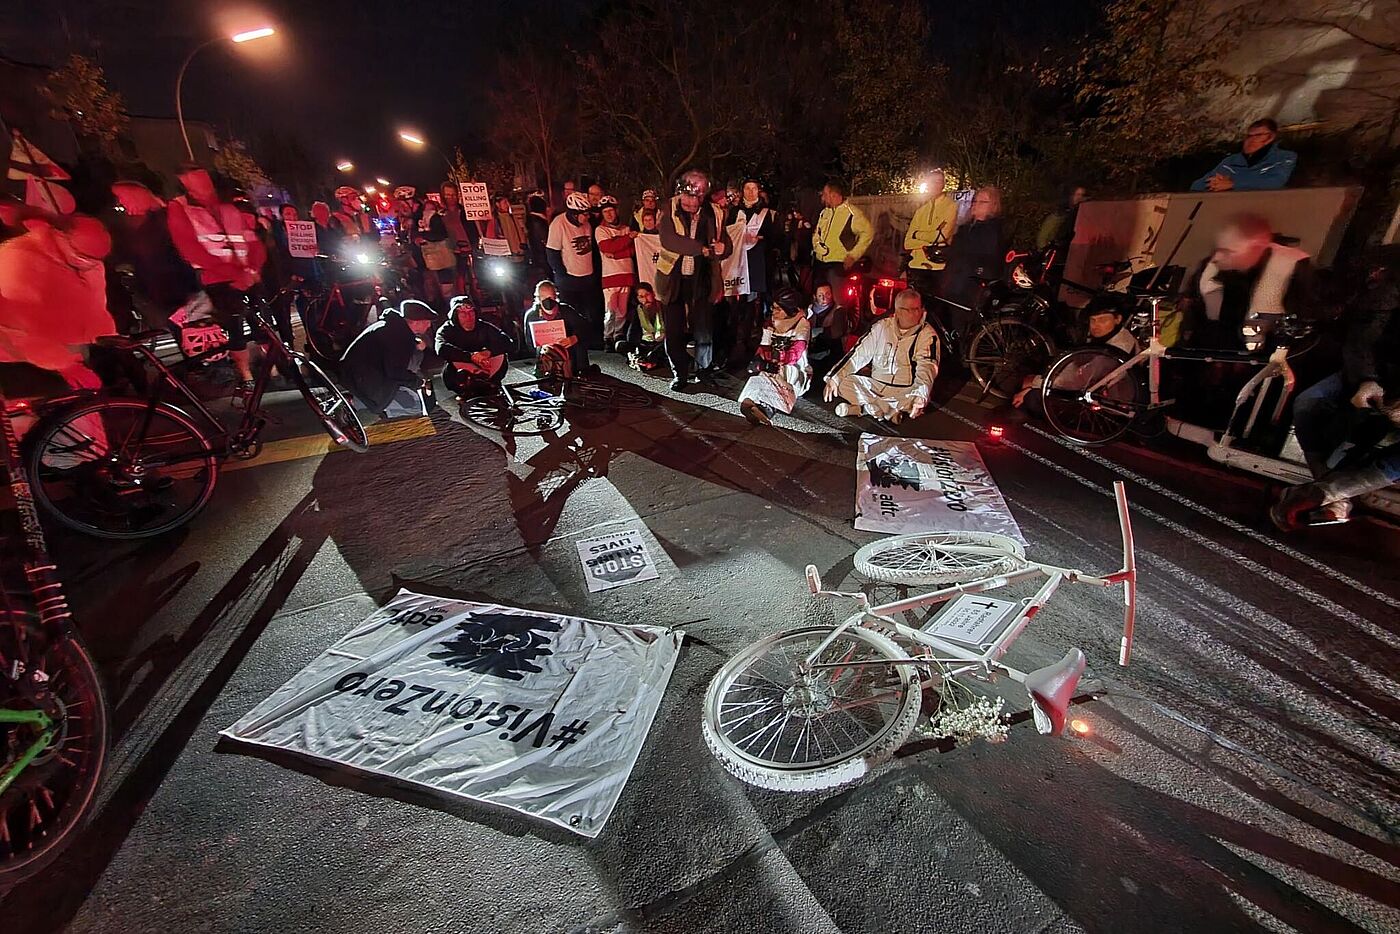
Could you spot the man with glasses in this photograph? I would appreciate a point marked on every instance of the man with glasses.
(1260, 165)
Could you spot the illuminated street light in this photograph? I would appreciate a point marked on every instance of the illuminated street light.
(418, 142)
(238, 37)
(345, 165)
(252, 34)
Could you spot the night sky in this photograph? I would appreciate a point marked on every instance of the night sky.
(346, 74)
(343, 74)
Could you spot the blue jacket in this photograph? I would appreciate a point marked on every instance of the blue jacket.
(1269, 173)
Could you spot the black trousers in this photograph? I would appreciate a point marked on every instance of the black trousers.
(691, 314)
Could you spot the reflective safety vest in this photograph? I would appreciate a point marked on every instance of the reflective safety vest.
(666, 260)
(223, 234)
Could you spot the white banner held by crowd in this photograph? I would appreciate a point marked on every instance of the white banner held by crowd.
(735, 263)
(907, 485)
(537, 712)
(476, 201)
(301, 239)
(648, 249)
(613, 560)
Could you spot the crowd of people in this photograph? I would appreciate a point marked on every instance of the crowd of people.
(705, 281)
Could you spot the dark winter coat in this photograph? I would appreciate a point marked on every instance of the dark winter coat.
(380, 361)
(978, 249)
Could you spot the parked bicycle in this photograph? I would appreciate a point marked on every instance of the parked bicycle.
(822, 706)
(53, 715)
(129, 468)
(537, 406)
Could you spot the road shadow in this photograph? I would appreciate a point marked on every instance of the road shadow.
(231, 622)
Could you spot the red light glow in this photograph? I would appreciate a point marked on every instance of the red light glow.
(1080, 726)
(996, 431)
(886, 283)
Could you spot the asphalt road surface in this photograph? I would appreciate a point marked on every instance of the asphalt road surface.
(1241, 774)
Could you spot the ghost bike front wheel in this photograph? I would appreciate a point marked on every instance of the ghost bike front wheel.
(776, 722)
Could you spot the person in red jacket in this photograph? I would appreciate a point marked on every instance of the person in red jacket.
(619, 275)
(214, 238)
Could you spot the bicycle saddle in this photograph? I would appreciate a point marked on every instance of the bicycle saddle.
(1051, 688)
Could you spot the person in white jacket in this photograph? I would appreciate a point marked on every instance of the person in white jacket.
(899, 352)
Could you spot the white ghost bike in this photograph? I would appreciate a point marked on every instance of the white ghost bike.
(822, 706)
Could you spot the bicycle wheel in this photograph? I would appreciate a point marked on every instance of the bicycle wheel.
(1114, 406)
(51, 795)
(97, 470)
(939, 557)
(589, 393)
(775, 727)
(1003, 352)
(499, 415)
(335, 411)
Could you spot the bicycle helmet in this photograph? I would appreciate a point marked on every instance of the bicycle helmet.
(577, 201)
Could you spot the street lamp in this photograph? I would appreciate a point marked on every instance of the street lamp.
(238, 37)
(345, 165)
(418, 142)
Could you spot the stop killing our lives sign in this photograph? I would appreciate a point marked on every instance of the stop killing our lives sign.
(538, 712)
(614, 560)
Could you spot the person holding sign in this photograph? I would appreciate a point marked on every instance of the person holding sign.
(475, 352)
(555, 333)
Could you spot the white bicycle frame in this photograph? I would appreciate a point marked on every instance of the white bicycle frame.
(985, 661)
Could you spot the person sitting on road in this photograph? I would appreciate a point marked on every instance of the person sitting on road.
(645, 338)
(555, 333)
(828, 323)
(476, 352)
(381, 367)
(1260, 165)
(781, 359)
(1325, 415)
(898, 351)
(1105, 319)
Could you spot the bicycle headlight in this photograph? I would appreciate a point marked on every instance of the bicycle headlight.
(500, 271)
(362, 258)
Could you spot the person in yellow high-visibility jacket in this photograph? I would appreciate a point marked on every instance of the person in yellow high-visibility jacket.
(929, 233)
(840, 238)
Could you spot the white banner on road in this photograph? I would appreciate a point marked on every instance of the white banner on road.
(907, 485)
(613, 560)
(537, 712)
(648, 249)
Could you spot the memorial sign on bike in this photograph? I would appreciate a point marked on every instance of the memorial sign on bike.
(540, 713)
(908, 485)
(301, 239)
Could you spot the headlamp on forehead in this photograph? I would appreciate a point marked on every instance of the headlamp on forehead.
(693, 187)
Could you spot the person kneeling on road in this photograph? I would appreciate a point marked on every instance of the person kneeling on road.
(781, 360)
(1325, 414)
(475, 351)
(898, 351)
(555, 332)
(381, 366)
